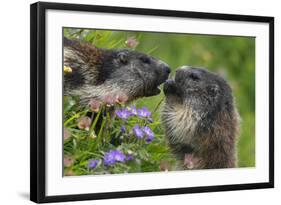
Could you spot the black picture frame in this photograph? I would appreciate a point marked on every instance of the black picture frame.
(38, 100)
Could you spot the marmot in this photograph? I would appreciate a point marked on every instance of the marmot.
(97, 72)
(200, 119)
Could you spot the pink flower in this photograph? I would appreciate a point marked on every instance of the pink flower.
(109, 100)
(164, 166)
(131, 42)
(69, 173)
(94, 105)
(190, 162)
(84, 123)
(66, 134)
(121, 98)
(67, 161)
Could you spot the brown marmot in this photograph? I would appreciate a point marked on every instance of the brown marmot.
(200, 119)
(96, 72)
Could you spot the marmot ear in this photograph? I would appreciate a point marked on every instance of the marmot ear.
(123, 58)
(213, 90)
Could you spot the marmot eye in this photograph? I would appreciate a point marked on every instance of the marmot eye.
(213, 90)
(194, 76)
(145, 59)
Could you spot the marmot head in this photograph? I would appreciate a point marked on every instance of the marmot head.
(138, 74)
(196, 100)
(97, 72)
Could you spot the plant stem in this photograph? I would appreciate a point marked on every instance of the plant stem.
(158, 105)
(74, 117)
(95, 121)
(101, 128)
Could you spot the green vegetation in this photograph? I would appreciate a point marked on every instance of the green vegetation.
(232, 57)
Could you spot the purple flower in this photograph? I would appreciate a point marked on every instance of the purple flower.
(144, 112)
(119, 156)
(149, 134)
(130, 157)
(92, 163)
(123, 129)
(113, 156)
(123, 113)
(109, 158)
(149, 139)
(133, 110)
(138, 132)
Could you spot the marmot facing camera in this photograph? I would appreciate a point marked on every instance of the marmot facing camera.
(97, 72)
(200, 119)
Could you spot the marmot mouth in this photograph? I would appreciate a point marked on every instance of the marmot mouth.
(170, 87)
(155, 88)
(154, 91)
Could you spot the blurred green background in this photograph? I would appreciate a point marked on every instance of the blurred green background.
(230, 56)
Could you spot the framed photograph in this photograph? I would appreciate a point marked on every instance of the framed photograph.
(129, 102)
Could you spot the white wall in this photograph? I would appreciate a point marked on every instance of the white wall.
(14, 100)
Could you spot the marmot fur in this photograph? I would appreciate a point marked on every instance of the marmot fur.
(200, 119)
(97, 72)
